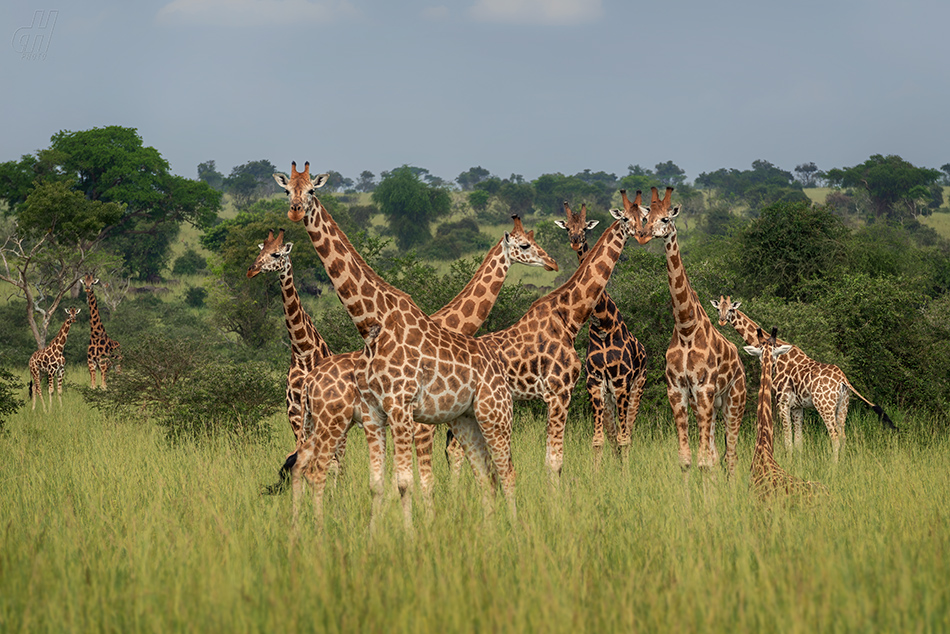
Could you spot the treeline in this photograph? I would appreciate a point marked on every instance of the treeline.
(857, 280)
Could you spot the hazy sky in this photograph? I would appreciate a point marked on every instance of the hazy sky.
(516, 86)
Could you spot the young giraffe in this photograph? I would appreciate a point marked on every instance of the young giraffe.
(802, 382)
(538, 351)
(103, 352)
(410, 367)
(307, 347)
(768, 478)
(703, 371)
(50, 361)
(616, 363)
(333, 402)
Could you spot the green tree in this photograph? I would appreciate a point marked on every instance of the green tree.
(807, 174)
(56, 236)
(670, 174)
(366, 182)
(478, 199)
(551, 190)
(209, 173)
(889, 181)
(759, 187)
(474, 175)
(410, 206)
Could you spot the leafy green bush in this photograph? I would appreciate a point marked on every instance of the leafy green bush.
(9, 403)
(195, 296)
(189, 263)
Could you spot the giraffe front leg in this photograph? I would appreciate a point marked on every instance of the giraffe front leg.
(595, 390)
(59, 387)
(423, 437)
(680, 405)
(557, 403)
(103, 367)
(401, 425)
(624, 405)
(50, 380)
(784, 413)
(798, 417)
(473, 445)
(454, 455)
(636, 393)
(735, 407)
(705, 413)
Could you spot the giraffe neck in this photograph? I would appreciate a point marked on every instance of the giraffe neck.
(304, 338)
(688, 314)
(481, 292)
(60, 339)
(746, 328)
(353, 279)
(96, 329)
(575, 299)
(605, 307)
(766, 431)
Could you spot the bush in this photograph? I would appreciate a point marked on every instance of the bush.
(195, 296)
(9, 403)
(189, 263)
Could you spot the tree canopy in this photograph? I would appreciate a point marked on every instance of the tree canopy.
(892, 184)
(410, 205)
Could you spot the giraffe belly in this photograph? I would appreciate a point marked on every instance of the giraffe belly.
(433, 408)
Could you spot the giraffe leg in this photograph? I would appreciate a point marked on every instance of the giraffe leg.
(827, 413)
(35, 387)
(624, 403)
(102, 368)
(401, 425)
(423, 437)
(558, 403)
(59, 387)
(50, 380)
(842, 412)
(636, 393)
(784, 412)
(596, 391)
(679, 403)
(493, 411)
(471, 440)
(798, 417)
(705, 413)
(454, 455)
(735, 407)
(92, 372)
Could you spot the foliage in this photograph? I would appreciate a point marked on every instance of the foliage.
(187, 389)
(250, 182)
(455, 239)
(366, 182)
(208, 172)
(763, 185)
(552, 190)
(189, 263)
(468, 179)
(410, 206)
(10, 385)
(890, 182)
(195, 296)
(789, 244)
(478, 199)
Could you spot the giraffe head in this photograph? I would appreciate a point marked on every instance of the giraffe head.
(300, 187)
(521, 247)
(655, 221)
(274, 255)
(726, 309)
(631, 214)
(577, 227)
(767, 348)
(88, 281)
(71, 314)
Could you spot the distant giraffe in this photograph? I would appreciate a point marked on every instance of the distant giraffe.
(768, 478)
(103, 352)
(410, 368)
(538, 350)
(802, 382)
(616, 363)
(50, 361)
(333, 402)
(307, 347)
(703, 371)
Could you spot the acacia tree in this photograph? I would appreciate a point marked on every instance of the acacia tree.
(892, 184)
(410, 205)
(56, 236)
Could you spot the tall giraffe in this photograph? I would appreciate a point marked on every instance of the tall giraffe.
(802, 382)
(768, 478)
(333, 400)
(411, 367)
(307, 347)
(50, 361)
(703, 371)
(616, 363)
(538, 350)
(103, 352)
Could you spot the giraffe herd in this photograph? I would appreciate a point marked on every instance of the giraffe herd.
(416, 371)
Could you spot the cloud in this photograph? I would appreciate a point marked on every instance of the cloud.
(241, 13)
(556, 12)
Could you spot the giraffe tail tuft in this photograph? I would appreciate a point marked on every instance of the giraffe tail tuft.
(29, 389)
(885, 419)
(283, 477)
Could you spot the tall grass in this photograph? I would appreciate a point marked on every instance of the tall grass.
(105, 527)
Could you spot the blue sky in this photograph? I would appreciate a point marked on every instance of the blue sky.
(516, 86)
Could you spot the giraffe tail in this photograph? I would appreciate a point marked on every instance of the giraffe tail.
(283, 476)
(885, 419)
(29, 389)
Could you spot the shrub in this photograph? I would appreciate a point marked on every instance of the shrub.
(189, 263)
(195, 296)
(9, 403)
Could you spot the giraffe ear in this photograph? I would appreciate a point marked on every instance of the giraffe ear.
(591, 224)
(617, 214)
(755, 352)
(644, 211)
(714, 303)
(319, 180)
(95, 281)
(261, 246)
(735, 305)
(561, 224)
(282, 180)
(675, 212)
(781, 350)
(507, 238)
(287, 247)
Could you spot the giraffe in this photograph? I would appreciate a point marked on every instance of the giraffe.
(410, 368)
(307, 347)
(103, 352)
(538, 352)
(703, 371)
(802, 382)
(768, 478)
(50, 360)
(616, 363)
(333, 398)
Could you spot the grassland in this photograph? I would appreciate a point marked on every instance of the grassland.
(107, 527)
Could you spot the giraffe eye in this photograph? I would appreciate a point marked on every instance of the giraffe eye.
(275, 255)
(310, 191)
(524, 246)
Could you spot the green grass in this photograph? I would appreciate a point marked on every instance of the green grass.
(106, 527)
